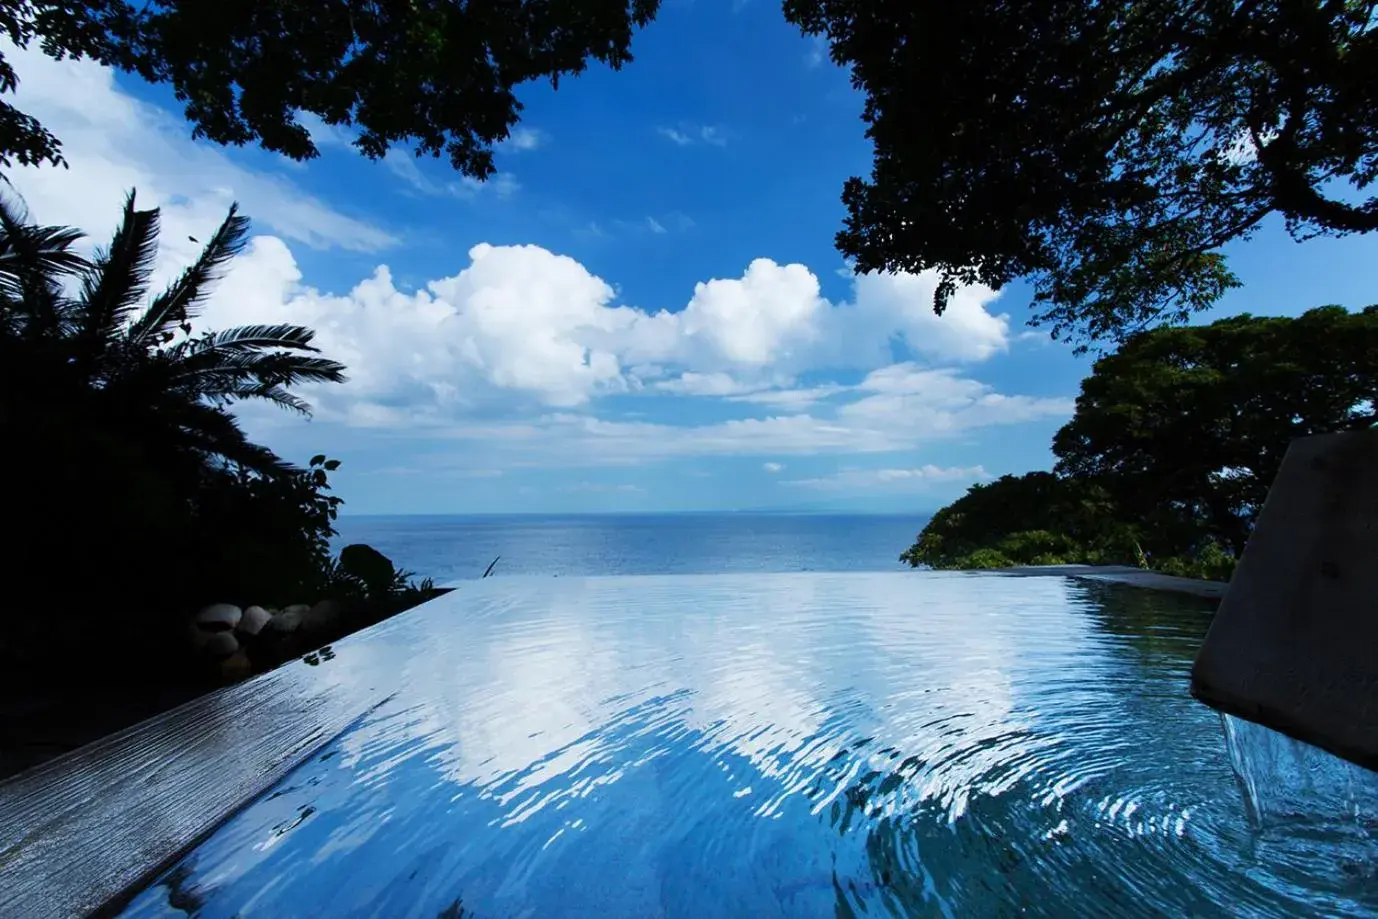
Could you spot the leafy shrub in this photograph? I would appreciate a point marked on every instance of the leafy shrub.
(985, 558)
(1034, 519)
(265, 536)
(1211, 563)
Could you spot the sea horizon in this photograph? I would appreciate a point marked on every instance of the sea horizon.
(456, 547)
(754, 512)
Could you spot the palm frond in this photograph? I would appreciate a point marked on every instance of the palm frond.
(221, 377)
(283, 368)
(214, 432)
(185, 295)
(116, 280)
(49, 246)
(278, 395)
(34, 261)
(295, 337)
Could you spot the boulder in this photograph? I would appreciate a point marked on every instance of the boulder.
(220, 644)
(237, 666)
(219, 617)
(322, 615)
(370, 566)
(287, 620)
(253, 620)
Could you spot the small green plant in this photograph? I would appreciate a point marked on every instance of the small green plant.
(985, 558)
(1211, 563)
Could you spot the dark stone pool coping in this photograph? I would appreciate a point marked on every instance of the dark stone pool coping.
(84, 833)
(1121, 574)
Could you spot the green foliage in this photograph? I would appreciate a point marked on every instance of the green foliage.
(1105, 150)
(434, 75)
(1187, 427)
(1176, 439)
(265, 536)
(132, 485)
(1210, 563)
(1034, 519)
(983, 558)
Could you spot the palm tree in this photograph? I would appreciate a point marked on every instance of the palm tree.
(74, 331)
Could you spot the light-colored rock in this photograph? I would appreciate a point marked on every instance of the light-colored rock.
(253, 620)
(286, 621)
(321, 615)
(220, 644)
(219, 617)
(237, 666)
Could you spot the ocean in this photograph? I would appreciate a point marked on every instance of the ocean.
(456, 548)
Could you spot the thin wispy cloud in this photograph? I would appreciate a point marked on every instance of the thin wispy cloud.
(663, 225)
(591, 230)
(501, 185)
(713, 135)
(525, 138)
(404, 166)
(686, 135)
(599, 488)
(892, 479)
(677, 137)
(114, 142)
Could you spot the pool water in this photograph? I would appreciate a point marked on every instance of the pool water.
(879, 744)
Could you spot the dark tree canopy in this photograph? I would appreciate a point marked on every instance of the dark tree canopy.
(1105, 150)
(1188, 426)
(1176, 439)
(436, 74)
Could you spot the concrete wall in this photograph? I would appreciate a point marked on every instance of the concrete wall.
(1294, 644)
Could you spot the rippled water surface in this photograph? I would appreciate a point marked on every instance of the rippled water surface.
(831, 745)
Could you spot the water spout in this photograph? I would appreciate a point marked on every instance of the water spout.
(1287, 783)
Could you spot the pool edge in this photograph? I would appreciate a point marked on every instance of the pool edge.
(33, 880)
(1120, 574)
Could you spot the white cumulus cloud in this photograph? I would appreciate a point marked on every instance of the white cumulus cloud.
(514, 350)
(526, 320)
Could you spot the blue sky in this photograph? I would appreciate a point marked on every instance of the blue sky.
(644, 311)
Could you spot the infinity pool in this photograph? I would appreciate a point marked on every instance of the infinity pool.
(764, 745)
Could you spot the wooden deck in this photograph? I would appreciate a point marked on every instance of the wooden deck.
(82, 831)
